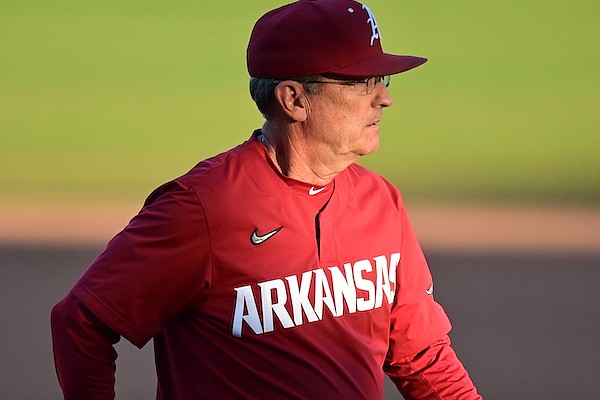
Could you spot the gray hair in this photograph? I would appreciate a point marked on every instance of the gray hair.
(262, 90)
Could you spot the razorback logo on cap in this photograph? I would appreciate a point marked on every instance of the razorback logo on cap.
(375, 32)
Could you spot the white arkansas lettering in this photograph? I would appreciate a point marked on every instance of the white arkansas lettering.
(295, 300)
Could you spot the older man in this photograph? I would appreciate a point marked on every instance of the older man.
(279, 269)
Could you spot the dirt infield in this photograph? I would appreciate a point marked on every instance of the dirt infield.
(445, 227)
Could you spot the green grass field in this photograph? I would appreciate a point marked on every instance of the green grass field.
(106, 100)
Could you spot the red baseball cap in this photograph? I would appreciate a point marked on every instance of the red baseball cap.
(310, 37)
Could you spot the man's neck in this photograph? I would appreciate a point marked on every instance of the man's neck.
(296, 159)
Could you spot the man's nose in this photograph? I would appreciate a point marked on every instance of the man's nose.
(382, 96)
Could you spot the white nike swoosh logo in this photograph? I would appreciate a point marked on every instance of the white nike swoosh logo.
(430, 290)
(312, 191)
(258, 239)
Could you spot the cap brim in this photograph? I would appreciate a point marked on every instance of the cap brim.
(382, 64)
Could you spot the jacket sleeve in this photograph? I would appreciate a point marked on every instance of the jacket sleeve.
(156, 268)
(434, 373)
(422, 365)
(84, 355)
(150, 272)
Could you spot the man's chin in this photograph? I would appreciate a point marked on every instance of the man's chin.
(368, 151)
(373, 146)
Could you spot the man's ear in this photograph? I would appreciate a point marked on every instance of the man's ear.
(290, 98)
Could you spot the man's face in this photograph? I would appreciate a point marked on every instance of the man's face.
(344, 120)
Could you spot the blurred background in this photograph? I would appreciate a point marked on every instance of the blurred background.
(494, 144)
